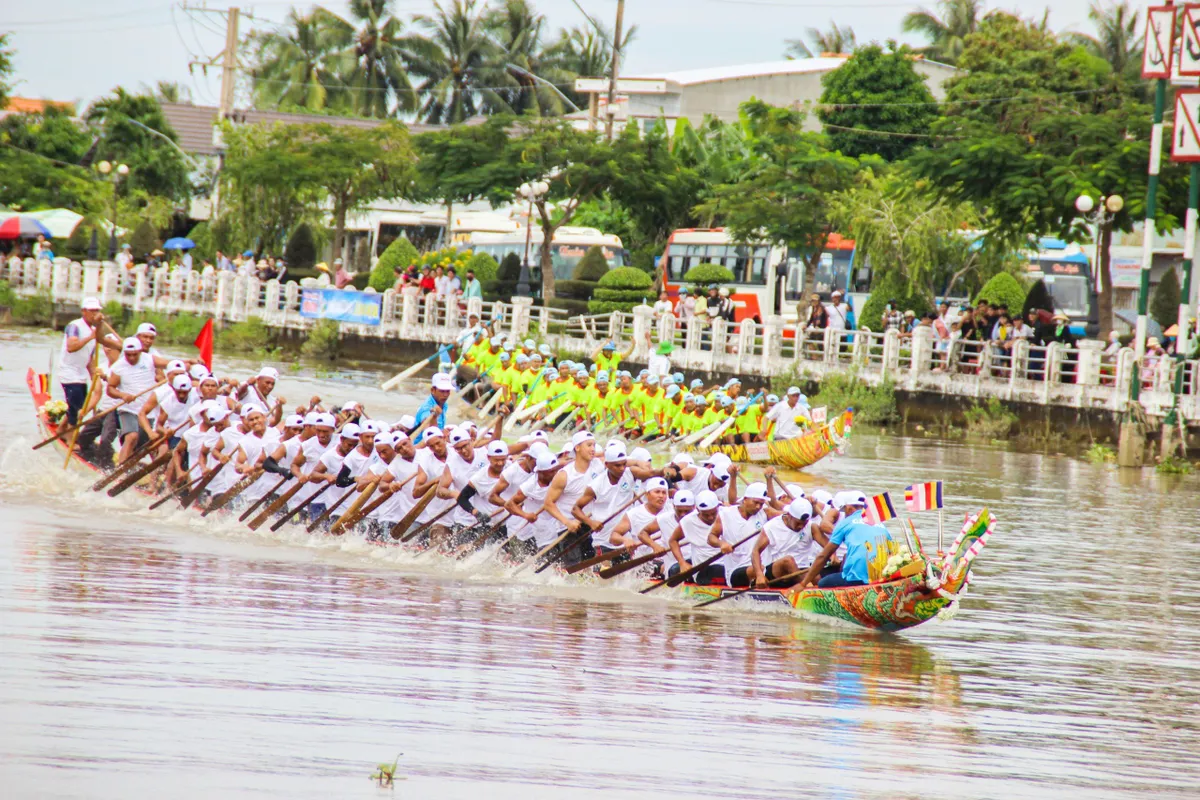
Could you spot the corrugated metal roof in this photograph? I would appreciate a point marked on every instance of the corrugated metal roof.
(796, 66)
(194, 124)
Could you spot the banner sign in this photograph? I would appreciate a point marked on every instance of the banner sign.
(758, 451)
(819, 415)
(360, 308)
(1159, 42)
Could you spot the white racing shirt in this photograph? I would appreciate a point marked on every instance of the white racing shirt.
(609, 497)
(734, 528)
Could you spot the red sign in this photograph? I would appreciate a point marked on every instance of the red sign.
(1159, 42)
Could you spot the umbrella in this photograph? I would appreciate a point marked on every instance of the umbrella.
(60, 222)
(22, 228)
(178, 243)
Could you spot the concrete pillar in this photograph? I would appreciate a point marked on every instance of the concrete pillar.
(1090, 353)
(29, 273)
(91, 278)
(159, 285)
(1131, 445)
(224, 298)
(1020, 363)
(409, 300)
(643, 323)
(666, 328)
(387, 313)
(829, 345)
(1164, 375)
(615, 321)
(862, 347)
(772, 344)
(891, 352)
(430, 307)
(110, 284)
(452, 321)
(253, 297)
(522, 309)
(192, 296)
(922, 349)
(1125, 360)
(237, 303)
(43, 274)
(475, 306)
(720, 336)
(272, 305)
(175, 284)
(748, 331)
(140, 286)
(291, 297)
(59, 275)
(692, 351)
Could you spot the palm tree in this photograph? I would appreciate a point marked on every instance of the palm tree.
(374, 65)
(835, 40)
(516, 30)
(946, 33)
(582, 52)
(1118, 38)
(456, 63)
(297, 68)
(172, 92)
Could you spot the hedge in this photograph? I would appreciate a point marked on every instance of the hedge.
(484, 267)
(1038, 298)
(627, 278)
(579, 290)
(592, 267)
(574, 307)
(400, 253)
(1003, 289)
(891, 286)
(635, 296)
(708, 273)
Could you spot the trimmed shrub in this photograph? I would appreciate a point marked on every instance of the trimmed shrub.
(627, 278)
(580, 290)
(1164, 303)
(301, 249)
(891, 287)
(484, 267)
(1037, 298)
(575, 307)
(400, 253)
(592, 267)
(206, 247)
(1005, 290)
(144, 240)
(77, 243)
(704, 274)
(620, 290)
(505, 284)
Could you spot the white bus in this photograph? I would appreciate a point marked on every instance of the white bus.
(569, 245)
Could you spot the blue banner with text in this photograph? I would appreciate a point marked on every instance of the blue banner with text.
(360, 308)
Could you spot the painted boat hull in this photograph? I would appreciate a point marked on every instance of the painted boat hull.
(798, 453)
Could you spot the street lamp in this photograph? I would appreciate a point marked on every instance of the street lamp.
(118, 172)
(1099, 213)
(531, 192)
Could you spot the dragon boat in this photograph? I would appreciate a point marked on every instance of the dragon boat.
(918, 592)
(798, 453)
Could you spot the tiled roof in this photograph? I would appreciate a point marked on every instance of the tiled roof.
(30, 105)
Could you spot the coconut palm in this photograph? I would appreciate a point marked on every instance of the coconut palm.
(946, 33)
(582, 52)
(456, 63)
(835, 40)
(1118, 38)
(373, 67)
(516, 30)
(296, 68)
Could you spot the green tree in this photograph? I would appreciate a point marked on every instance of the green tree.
(1164, 303)
(484, 267)
(782, 191)
(295, 68)
(1118, 38)
(456, 63)
(460, 164)
(206, 247)
(876, 90)
(1004, 290)
(1038, 299)
(144, 240)
(887, 287)
(6, 69)
(131, 129)
(1063, 130)
(357, 165)
(580, 51)
(947, 34)
(399, 254)
(835, 40)
(301, 250)
(39, 157)
(379, 78)
(517, 30)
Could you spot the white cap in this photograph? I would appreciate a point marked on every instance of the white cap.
(539, 436)
(545, 461)
(250, 408)
(848, 498)
(537, 448)
(351, 404)
(756, 491)
(716, 459)
(312, 418)
(199, 372)
(147, 327)
(458, 436)
(799, 508)
(655, 483)
(433, 433)
(707, 501)
(580, 437)
(327, 421)
(640, 454)
(822, 496)
(91, 304)
(442, 382)
(793, 390)
(398, 437)
(385, 439)
(369, 426)
(683, 459)
(795, 491)
(497, 448)
(216, 413)
(614, 453)
(408, 422)
(350, 431)
(721, 472)
(132, 345)
(176, 366)
(269, 372)
(181, 383)
(684, 497)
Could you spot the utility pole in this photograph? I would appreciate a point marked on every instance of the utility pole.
(229, 62)
(611, 110)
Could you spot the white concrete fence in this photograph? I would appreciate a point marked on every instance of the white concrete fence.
(1074, 377)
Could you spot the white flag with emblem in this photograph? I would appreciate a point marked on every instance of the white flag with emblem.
(1159, 42)
(1185, 139)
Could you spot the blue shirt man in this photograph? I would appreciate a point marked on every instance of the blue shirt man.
(862, 542)
(435, 404)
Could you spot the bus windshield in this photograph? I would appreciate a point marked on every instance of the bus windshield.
(1069, 293)
(748, 264)
(564, 257)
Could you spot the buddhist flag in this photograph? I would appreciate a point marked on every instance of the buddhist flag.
(204, 342)
(923, 496)
(879, 509)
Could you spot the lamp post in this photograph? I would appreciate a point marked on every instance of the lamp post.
(1100, 213)
(531, 192)
(118, 172)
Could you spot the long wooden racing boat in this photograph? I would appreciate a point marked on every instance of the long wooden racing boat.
(889, 605)
(798, 453)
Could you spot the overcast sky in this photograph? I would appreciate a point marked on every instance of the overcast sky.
(79, 49)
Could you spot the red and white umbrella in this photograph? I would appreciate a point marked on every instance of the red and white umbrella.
(19, 227)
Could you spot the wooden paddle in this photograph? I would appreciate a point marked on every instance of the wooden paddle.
(78, 427)
(135, 457)
(413, 370)
(378, 501)
(489, 528)
(400, 527)
(741, 592)
(263, 499)
(178, 491)
(136, 475)
(351, 516)
(223, 499)
(300, 507)
(683, 576)
(312, 526)
(199, 488)
(618, 569)
(274, 506)
(412, 535)
(80, 423)
(594, 560)
(578, 536)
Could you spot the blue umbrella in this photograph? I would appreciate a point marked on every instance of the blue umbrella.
(178, 243)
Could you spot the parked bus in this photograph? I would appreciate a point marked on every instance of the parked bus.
(570, 244)
(1067, 273)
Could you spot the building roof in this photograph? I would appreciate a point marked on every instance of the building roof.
(194, 124)
(31, 105)
(794, 66)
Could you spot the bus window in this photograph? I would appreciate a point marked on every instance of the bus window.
(758, 265)
(1069, 293)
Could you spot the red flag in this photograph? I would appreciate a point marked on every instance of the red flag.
(205, 343)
